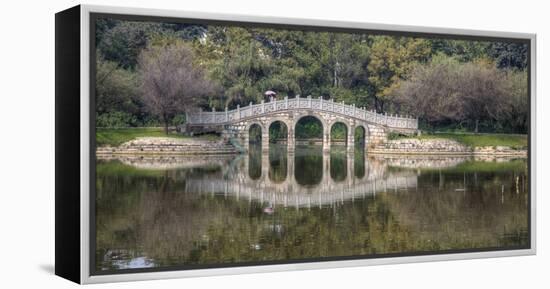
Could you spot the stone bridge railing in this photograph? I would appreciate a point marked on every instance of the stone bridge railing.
(319, 104)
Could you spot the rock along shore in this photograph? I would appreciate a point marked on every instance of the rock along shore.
(441, 147)
(168, 146)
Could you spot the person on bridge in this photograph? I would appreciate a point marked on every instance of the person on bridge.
(270, 95)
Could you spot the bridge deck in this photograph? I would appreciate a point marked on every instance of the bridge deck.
(318, 104)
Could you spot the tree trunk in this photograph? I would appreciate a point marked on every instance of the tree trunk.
(165, 120)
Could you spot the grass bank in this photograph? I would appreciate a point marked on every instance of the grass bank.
(117, 136)
(514, 141)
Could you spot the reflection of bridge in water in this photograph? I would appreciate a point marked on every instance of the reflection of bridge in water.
(308, 177)
(262, 178)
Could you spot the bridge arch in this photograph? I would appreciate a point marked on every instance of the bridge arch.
(316, 118)
(335, 129)
(233, 123)
(255, 131)
(278, 128)
(361, 135)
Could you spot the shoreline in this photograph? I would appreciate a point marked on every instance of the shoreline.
(518, 153)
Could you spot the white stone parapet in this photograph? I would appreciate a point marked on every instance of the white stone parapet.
(317, 104)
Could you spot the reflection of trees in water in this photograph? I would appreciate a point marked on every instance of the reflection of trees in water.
(255, 161)
(278, 163)
(338, 163)
(359, 164)
(446, 214)
(308, 161)
(150, 214)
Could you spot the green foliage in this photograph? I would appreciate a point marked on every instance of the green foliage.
(308, 128)
(114, 137)
(392, 58)
(255, 134)
(509, 55)
(116, 119)
(278, 131)
(116, 168)
(463, 50)
(338, 131)
(367, 70)
(360, 135)
(179, 119)
(395, 135)
(116, 88)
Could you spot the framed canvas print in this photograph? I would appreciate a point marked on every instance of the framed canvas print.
(195, 144)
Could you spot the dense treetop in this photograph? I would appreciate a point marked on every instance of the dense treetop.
(393, 74)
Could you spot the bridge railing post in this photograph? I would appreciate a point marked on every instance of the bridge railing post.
(286, 102)
(238, 111)
(309, 100)
(263, 106)
(226, 116)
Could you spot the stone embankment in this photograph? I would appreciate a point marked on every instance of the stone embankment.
(442, 147)
(173, 146)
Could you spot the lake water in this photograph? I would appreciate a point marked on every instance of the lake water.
(278, 207)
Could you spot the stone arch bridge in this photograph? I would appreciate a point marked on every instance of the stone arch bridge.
(235, 124)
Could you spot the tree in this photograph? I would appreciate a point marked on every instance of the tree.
(170, 82)
(509, 55)
(446, 91)
(117, 101)
(391, 59)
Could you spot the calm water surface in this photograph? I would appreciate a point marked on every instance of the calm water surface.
(276, 206)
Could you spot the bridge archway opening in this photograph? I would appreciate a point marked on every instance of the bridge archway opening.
(309, 129)
(339, 133)
(278, 132)
(360, 136)
(255, 134)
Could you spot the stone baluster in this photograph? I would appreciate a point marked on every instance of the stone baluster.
(226, 115)
(238, 111)
(263, 106)
(200, 115)
(309, 101)
(286, 102)
(321, 102)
